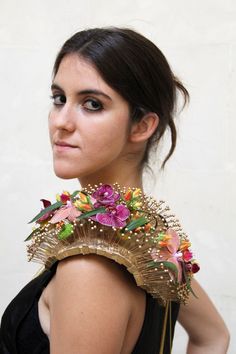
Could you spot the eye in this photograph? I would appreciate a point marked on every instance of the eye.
(58, 99)
(92, 105)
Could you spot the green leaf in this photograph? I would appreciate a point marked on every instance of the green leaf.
(46, 210)
(74, 194)
(89, 199)
(171, 266)
(31, 235)
(65, 232)
(135, 223)
(167, 264)
(91, 213)
(152, 264)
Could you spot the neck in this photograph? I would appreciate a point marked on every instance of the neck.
(125, 176)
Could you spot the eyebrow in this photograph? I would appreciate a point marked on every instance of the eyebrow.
(83, 92)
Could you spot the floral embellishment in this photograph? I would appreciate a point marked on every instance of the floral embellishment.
(114, 216)
(194, 267)
(174, 251)
(105, 195)
(69, 211)
(84, 202)
(46, 216)
(169, 243)
(132, 198)
(64, 197)
(136, 222)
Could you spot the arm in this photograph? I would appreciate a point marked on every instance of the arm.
(206, 329)
(89, 307)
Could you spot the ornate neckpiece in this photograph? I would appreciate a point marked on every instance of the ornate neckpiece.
(122, 224)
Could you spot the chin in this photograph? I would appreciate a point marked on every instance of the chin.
(64, 175)
(64, 172)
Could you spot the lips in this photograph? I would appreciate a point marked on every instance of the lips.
(63, 147)
(64, 143)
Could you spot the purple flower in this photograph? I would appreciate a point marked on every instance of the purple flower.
(105, 196)
(114, 216)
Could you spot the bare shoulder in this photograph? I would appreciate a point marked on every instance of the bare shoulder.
(90, 298)
(93, 272)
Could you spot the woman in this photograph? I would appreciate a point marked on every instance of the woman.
(114, 96)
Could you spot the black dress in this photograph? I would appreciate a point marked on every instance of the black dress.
(21, 332)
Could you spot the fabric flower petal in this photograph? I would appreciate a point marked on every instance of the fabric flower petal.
(178, 266)
(122, 212)
(105, 219)
(74, 213)
(117, 222)
(162, 255)
(46, 203)
(174, 241)
(60, 215)
(187, 255)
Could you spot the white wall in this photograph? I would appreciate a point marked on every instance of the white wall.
(199, 39)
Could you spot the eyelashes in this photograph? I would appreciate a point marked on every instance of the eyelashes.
(89, 104)
(56, 99)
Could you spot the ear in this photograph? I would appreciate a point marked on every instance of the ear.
(142, 130)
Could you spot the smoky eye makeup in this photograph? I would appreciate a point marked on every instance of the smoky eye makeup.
(89, 104)
(92, 105)
(58, 99)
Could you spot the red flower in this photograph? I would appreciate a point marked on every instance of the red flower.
(195, 268)
(46, 203)
(187, 255)
(64, 198)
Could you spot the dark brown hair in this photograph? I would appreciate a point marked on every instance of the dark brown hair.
(134, 67)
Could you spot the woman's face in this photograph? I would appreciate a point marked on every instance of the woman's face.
(88, 115)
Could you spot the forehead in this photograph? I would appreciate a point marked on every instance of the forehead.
(76, 73)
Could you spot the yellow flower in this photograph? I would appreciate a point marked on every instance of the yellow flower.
(136, 204)
(83, 197)
(136, 193)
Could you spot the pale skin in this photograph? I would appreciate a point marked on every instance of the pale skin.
(92, 306)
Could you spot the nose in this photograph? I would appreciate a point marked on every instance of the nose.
(64, 118)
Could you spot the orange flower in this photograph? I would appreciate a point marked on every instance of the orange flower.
(83, 203)
(147, 227)
(185, 244)
(128, 195)
(164, 240)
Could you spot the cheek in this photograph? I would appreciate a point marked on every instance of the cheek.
(109, 137)
(50, 126)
